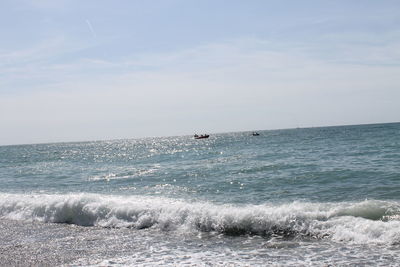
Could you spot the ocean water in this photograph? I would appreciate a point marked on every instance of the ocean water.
(326, 196)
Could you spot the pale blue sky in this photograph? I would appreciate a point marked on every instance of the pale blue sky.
(88, 70)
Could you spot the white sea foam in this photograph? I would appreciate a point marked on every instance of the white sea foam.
(363, 222)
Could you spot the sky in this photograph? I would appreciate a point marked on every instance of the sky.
(73, 70)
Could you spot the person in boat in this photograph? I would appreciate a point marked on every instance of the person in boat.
(201, 136)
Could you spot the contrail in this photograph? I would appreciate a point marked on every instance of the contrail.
(91, 28)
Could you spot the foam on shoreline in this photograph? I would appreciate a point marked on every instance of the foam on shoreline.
(364, 222)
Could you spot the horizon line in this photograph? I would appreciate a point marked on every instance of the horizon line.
(215, 133)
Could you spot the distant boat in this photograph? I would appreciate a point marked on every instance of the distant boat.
(201, 136)
(255, 134)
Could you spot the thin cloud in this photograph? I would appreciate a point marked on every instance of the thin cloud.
(232, 86)
(91, 29)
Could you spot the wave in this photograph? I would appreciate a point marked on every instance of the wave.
(368, 221)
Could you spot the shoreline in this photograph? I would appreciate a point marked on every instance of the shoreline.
(51, 244)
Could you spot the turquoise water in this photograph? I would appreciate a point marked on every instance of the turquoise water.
(320, 183)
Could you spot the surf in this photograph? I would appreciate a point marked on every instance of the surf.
(369, 221)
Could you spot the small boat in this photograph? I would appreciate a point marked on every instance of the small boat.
(201, 136)
(255, 134)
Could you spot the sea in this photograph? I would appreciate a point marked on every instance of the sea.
(323, 196)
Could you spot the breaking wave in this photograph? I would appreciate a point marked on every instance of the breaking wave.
(369, 221)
